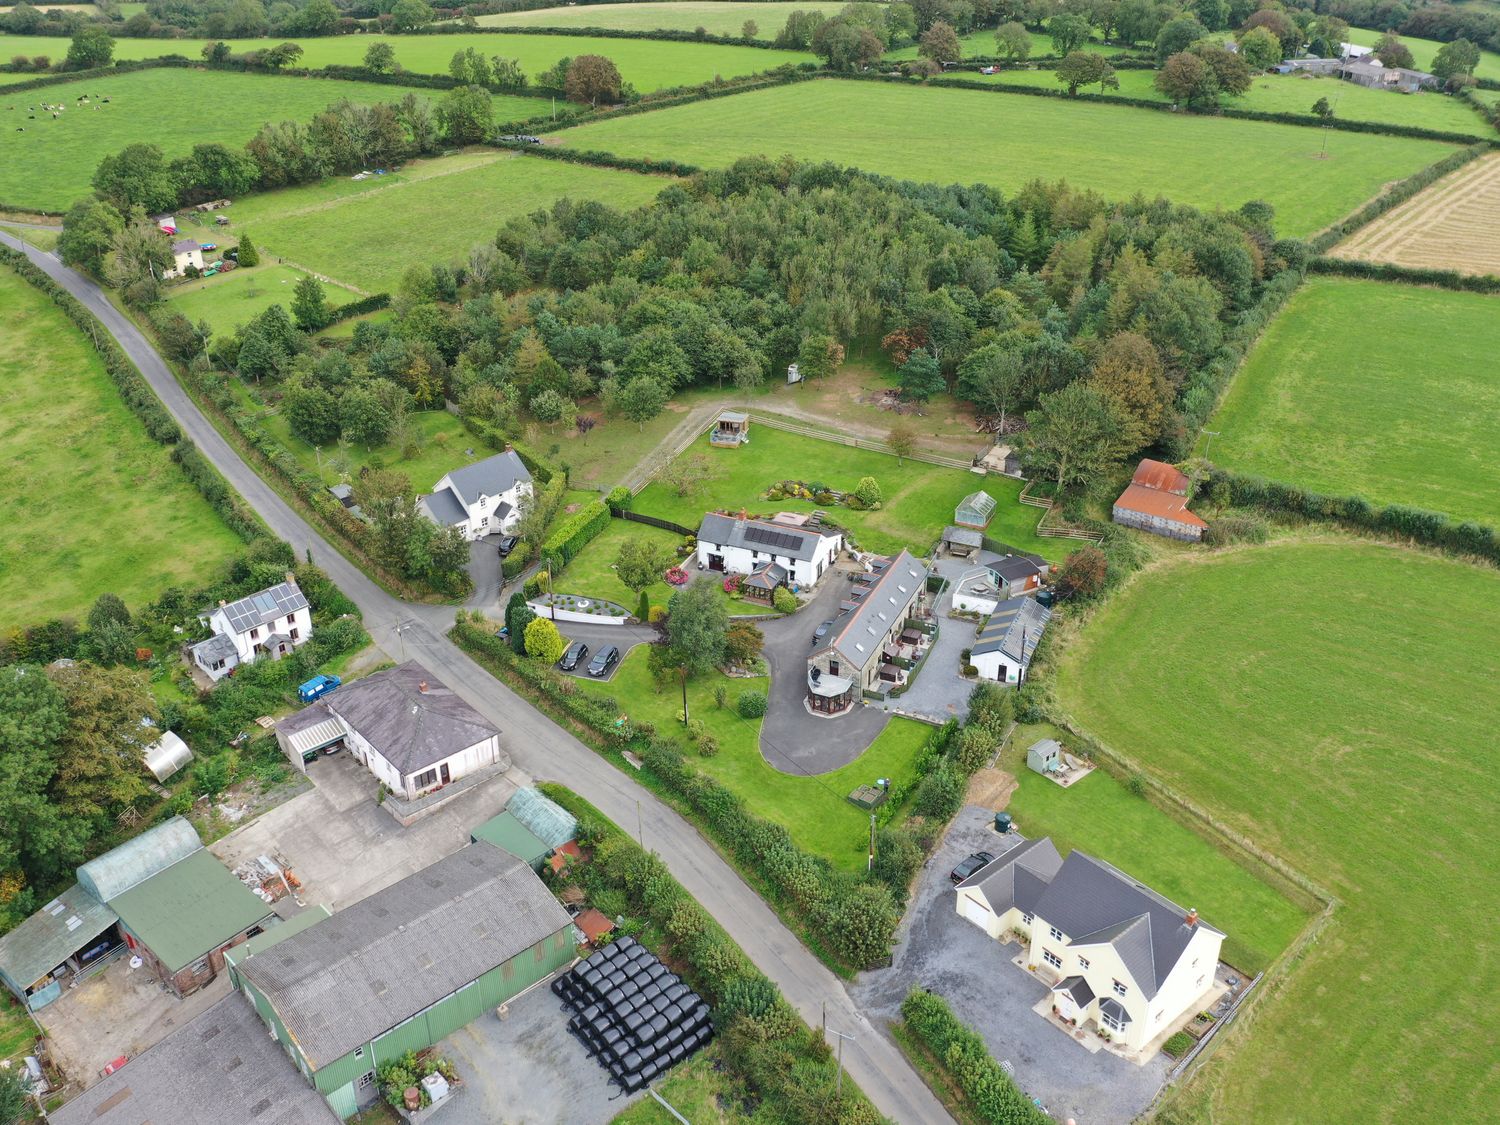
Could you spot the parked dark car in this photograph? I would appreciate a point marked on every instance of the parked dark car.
(970, 865)
(604, 660)
(508, 544)
(573, 657)
(821, 631)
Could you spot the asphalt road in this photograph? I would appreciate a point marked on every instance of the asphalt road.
(540, 747)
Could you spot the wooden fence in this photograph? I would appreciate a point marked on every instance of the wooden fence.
(665, 525)
(1052, 530)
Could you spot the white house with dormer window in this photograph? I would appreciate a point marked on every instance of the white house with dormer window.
(1116, 953)
(801, 546)
(480, 499)
(271, 622)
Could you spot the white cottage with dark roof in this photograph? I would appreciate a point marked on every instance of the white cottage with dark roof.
(801, 549)
(480, 499)
(1009, 638)
(270, 623)
(1116, 953)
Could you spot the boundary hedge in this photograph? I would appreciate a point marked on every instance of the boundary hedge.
(143, 403)
(571, 535)
(1386, 271)
(1428, 529)
(1398, 194)
(602, 159)
(961, 1053)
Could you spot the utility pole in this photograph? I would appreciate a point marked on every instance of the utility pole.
(870, 866)
(838, 1091)
(684, 696)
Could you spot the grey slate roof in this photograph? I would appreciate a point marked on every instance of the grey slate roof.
(1018, 877)
(52, 935)
(1015, 568)
(217, 647)
(343, 982)
(184, 246)
(268, 605)
(963, 536)
(411, 728)
(444, 508)
(220, 1067)
(858, 633)
(489, 477)
(1014, 629)
(1114, 1009)
(1077, 988)
(758, 535)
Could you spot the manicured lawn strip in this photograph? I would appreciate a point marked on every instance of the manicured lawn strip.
(440, 439)
(1423, 51)
(1409, 421)
(369, 237)
(91, 504)
(919, 498)
(1100, 816)
(969, 135)
(717, 17)
(645, 63)
(1289, 93)
(51, 163)
(232, 299)
(812, 809)
(1335, 703)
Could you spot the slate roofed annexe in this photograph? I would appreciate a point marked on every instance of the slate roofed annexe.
(268, 605)
(1014, 629)
(347, 980)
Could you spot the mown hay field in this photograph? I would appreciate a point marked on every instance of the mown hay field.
(1333, 701)
(717, 17)
(1383, 390)
(963, 136)
(1453, 225)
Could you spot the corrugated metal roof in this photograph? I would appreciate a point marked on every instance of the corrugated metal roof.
(135, 861)
(276, 934)
(544, 817)
(509, 834)
(1161, 476)
(52, 935)
(1151, 502)
(189, 908)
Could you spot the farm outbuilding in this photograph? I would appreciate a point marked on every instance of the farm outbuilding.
(975, 510)
(508, 834)
(962, 542)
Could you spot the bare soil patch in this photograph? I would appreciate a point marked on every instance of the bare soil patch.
(1454, 225)
(991, 789)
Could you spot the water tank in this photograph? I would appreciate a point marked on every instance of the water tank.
(1002, 822)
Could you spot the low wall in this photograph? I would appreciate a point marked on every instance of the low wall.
(542, 609)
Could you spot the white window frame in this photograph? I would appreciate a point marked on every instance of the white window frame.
(1120, 989)
(1052, 959)
(1083, 963)
(1026, 917)
(1057, 935)
(1110, 1022)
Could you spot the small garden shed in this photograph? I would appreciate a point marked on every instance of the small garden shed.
(1044, 757)
(975, 510)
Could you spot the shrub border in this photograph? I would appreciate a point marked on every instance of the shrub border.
(1388, 271)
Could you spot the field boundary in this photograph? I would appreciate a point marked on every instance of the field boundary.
(1397, 194)
(1405, 275)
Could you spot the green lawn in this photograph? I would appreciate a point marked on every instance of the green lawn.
(1288, 93)
(439, 436)
(968, 135)
(232, 299)
(919, 498)
(813, 809)
(367, 233)
(1423, 51)
(717, 17)
(1336, 703)
(51, 163)
(981, 44)
(1405, 414)
(646, 64)
(41, 238)
(91, 504)
(1101, 817)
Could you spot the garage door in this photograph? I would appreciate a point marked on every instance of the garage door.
(977, 912)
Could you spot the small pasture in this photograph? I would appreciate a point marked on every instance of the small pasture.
(1382, 390)
(92, 505)
(965, 136)
(366, 233)
(234, 298)
(1333, 701)
(1453, 225)
(717, 17)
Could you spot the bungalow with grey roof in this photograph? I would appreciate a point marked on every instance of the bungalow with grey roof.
(480, 499)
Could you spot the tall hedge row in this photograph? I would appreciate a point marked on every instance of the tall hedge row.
(1398, 194)
(143, 403)
(1385, 271)
(571, 535)
(960, 1051)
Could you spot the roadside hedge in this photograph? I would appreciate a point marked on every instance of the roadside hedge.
(1429, 529)
(1385, 271)
(1397, 195)
(571, 535)
(991, 1093)
(143, 403)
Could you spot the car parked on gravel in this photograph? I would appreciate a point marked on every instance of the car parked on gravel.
(969, 865)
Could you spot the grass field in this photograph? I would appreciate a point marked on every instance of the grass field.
(51, 163)
(1101, 817)
(919, 498)
(1423, 51)
(1290, 93)
(1409, 419)
(646, 64)
(91, 504)
(365, 233)
(43, 238)
(813, 809)
(968, 135)
(1453, 225)
(717, 17)
(979, 44)
(1336, 703)
(232, 299)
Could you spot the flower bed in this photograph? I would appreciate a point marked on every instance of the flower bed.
(577, 608)
(676, 576)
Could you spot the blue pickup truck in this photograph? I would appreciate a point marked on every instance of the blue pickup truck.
(317, 687)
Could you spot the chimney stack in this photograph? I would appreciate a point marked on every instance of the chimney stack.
(422, 687)
(291, 579)
(1192, 918)
(222, 603)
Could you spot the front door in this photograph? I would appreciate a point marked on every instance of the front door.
(443, 774)
(715, 562)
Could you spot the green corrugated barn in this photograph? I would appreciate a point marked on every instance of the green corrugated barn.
(405, 968)
(509, 834)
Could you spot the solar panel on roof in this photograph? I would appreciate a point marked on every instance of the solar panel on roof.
(772, 538)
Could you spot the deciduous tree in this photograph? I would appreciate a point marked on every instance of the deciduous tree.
(641, 561)
(1013, 41)
(697, 624)
(1068, 32)
(466, 115)
(592, 79)
(641, 399)
(940, 44)
(1076, 434)
(91, 46)
(380, 58)
(1083, 68)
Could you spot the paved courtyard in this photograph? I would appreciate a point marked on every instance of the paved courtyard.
(957, 960)
(939, 694)
(527, 1070)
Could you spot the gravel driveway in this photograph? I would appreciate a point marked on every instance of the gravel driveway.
(960, 962)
